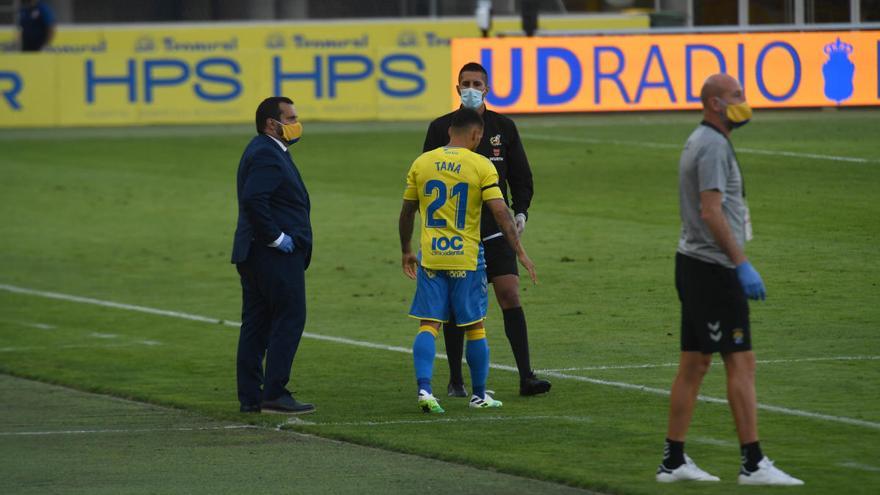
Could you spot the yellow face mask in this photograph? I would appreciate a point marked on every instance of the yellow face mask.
(738, 114)
(291, 132)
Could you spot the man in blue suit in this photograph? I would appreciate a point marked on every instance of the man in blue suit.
(272, 249)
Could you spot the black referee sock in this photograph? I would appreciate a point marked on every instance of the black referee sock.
(673, 454)
(515, 328)
(454, 338)
(751, 455)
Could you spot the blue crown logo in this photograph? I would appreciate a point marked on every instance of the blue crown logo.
(838, 71)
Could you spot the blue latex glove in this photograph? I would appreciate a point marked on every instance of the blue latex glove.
(751, 281)
(286, 245)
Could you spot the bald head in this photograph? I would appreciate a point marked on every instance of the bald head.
(721, 95)
(721, 86)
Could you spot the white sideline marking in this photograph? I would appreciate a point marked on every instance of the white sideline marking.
(293, 420)
(123, 430)
(815, 156)
(644, 144)
(97, 335)
(469, 419)
(109, 304)
(31, 324)
(715, 400)
(79, 346)
(41, 326)
(674, 365)
(859, 466)
(371, 345)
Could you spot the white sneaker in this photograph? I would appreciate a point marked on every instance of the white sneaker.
(429, 404)
(484, 402)
(767, 474)
(688, 471)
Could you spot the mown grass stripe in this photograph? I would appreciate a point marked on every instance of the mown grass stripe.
(372, 345)
(646, 144)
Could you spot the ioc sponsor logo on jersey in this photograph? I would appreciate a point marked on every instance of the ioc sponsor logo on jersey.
(447, 245)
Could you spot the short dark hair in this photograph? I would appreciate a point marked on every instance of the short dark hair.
(474, 67)
(270, 108)
(465, 118)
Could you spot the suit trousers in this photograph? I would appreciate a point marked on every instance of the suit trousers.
(273, 317)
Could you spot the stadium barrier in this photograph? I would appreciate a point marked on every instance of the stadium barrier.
(217, 73)
(665, 72)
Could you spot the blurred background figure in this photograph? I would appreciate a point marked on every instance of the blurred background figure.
(36, 25)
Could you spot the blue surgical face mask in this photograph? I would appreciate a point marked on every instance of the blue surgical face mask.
(471, 98)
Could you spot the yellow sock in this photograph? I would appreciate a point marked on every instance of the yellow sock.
(428, 328)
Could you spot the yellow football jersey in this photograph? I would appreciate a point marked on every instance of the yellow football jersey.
(450, 185)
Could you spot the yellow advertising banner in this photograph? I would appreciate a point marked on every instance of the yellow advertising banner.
(218, 72)
(116, 89)
(28, 92)
(665, 72)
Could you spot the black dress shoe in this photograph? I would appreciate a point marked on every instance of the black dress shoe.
(286, 404)
(532, 385)
(249, 408)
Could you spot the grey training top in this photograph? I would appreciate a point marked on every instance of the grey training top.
(709, 163)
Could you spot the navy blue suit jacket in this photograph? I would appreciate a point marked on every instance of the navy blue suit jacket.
(272, 199)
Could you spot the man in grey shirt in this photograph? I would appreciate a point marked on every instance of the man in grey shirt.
(713, 278)
(708, 164)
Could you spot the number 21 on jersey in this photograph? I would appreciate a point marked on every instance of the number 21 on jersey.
(459, 193)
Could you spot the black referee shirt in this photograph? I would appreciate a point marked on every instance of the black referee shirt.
(502, 146)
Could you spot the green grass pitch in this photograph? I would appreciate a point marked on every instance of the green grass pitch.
(144, 216)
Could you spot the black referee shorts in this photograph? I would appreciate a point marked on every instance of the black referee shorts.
(714, 308)
(500, 258)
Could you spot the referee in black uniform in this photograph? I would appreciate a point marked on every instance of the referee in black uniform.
(502, 146)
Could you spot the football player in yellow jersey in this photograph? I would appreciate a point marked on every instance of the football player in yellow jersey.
(449, 186)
